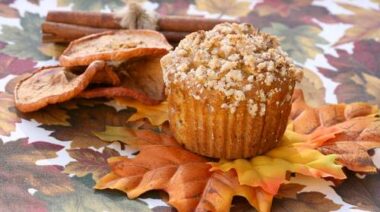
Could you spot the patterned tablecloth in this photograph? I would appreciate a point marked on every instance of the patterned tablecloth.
(45, 157)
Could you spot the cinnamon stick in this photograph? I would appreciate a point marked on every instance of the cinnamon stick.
(90, 19)
(107, 20)
(64, 33)
(69, 31)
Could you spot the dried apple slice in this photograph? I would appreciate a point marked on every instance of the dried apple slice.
(54, 84)
(114, 46)
(107, 76)
(141, 79)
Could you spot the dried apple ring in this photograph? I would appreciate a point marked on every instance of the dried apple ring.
(54, 84)
(114, 46)
(141, 79)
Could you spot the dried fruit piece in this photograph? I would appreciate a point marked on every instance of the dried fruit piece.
(107, 76)
(141, 80)
(54, 84)
(115, 46)
(111, 92)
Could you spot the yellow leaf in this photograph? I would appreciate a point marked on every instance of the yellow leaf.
(269, 170)
(156, 114)
(365, 24)
(224, 7)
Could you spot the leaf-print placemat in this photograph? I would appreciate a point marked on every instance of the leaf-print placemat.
(50, 158)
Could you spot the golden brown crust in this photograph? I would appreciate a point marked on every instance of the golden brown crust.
(53, 84)
(128, 44)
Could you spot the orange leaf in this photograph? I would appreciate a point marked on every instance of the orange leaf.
(185, 176)
(354, 129)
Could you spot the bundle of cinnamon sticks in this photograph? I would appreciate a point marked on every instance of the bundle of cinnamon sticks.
(65, 26)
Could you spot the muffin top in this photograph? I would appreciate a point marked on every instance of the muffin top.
(234, 59)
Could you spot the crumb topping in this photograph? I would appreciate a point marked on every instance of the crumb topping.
(234, 59)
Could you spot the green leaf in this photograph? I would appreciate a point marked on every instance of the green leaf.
(299, 42)
(91, 4)
(24, 43)
(84, 199)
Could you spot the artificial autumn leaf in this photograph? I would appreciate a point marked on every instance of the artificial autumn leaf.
(156, 114)
(365, 24)
(224, 7)
(358, 73)
(8, 117)
(134, 137)
(19, 173)
(173, 7)
(36, 2)
(50, 115)
(222, 187)
(299, 42)
(91, 5)
(83, 198)
(305, 202)
(89, 161)
(313, 88)
(362, 193)
(358, 123)
(185, 176)
(301, 14)
(268, 171)
(52, 49)
(6, 11)
(269, 7)
(12, 65)
(24, 42)
(84, 120)
(289, 190)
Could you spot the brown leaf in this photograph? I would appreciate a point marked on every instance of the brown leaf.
(289, 190)
(305, 202)
(8, 117)
(19, 172)
(89, 161)
(86, 119)
(358, 124)
(50, 115)
(352, 155)
(363, 193)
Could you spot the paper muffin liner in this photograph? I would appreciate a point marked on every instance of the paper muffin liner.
(203, 127)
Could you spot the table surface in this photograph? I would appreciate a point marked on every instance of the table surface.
(337, 42)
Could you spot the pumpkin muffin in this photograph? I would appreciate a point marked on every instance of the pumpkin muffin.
(229, 91)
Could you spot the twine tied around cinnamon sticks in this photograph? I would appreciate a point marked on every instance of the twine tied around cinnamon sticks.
(66, 26)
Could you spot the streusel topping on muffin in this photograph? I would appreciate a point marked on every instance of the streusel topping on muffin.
(233, 59)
